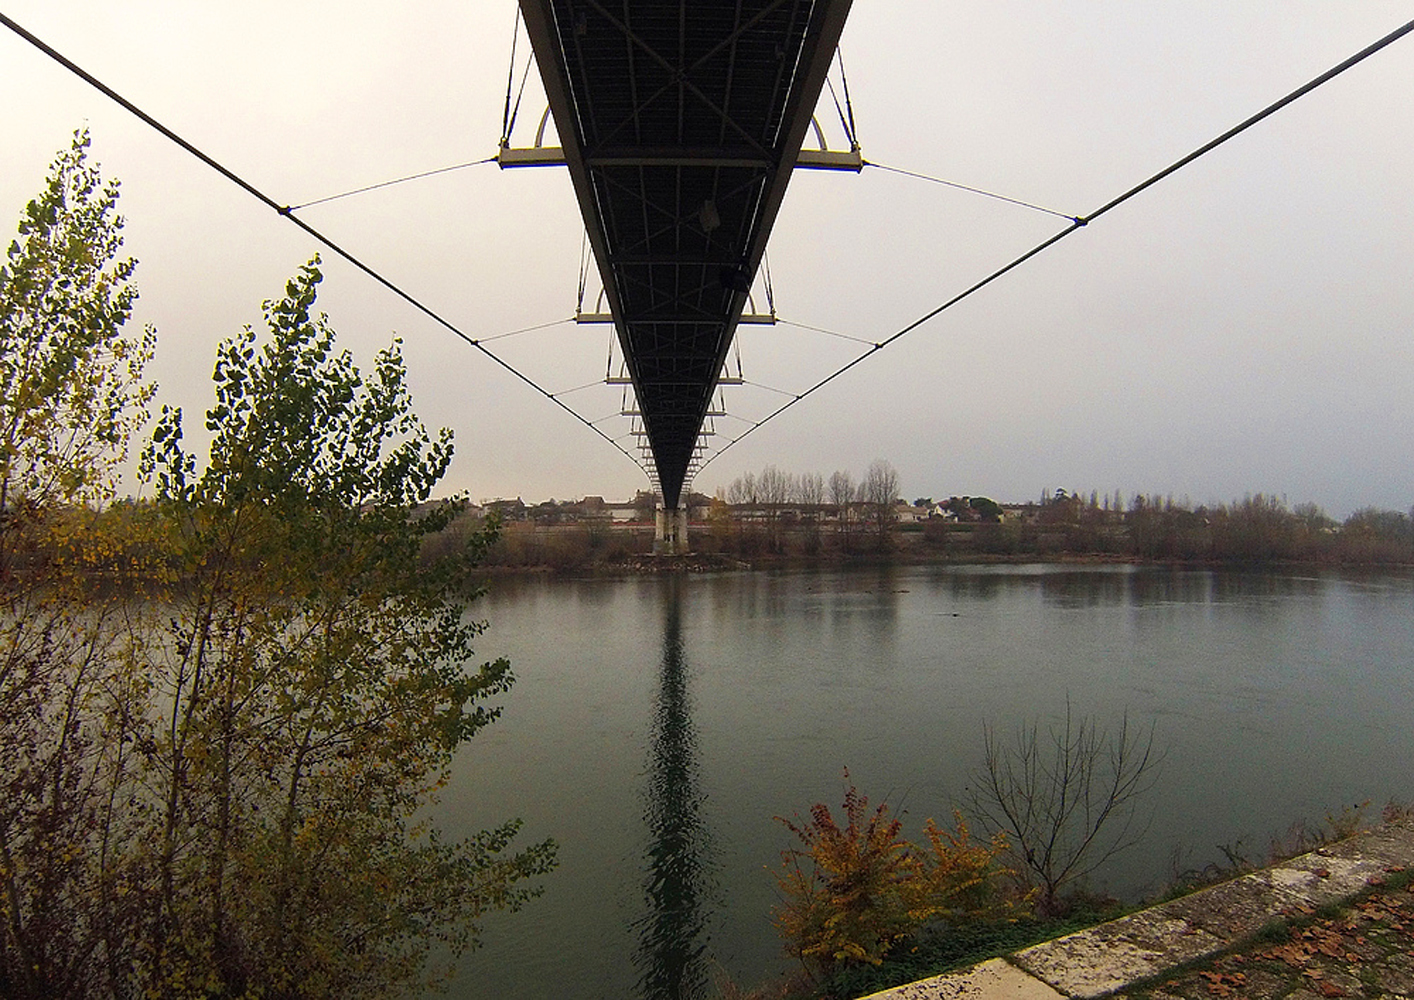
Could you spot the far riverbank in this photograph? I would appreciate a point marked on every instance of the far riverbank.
(1255, 532)
(574, 550)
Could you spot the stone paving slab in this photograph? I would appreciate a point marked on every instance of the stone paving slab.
(1390, 843)
(1106, 959)
(996, 979)
(1100, 960)
(1325, 877)
(1232, 910)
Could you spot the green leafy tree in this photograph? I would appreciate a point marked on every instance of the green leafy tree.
(71, 382)
(987, 509)
(71, 394)
(310, 673)
(223, 711)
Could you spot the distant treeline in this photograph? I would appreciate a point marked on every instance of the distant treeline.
(1256, 530)
(528, 546)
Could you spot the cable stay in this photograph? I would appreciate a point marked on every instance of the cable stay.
(970, 189)
(538, 154)
(849, 108)
(1080, 222)
(525, 329)
(771, 388)
(766, 277)
(645, 462)
(739, 417)
(726, 377)
(398, 180)
(508, 116)
(828, 333)
(846, 113)
(288, 213)
(578, 388)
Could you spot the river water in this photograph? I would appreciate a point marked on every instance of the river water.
(658, 724)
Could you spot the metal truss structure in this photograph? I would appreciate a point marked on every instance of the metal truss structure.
(681, 122)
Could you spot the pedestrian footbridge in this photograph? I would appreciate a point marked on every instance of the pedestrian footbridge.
(680, 123)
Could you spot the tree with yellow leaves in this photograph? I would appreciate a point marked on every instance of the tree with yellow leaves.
(215, 762)
(851, 893)
(312, 675)
(71, 394)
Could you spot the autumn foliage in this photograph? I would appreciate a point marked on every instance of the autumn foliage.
(851, 893)
(225, 710)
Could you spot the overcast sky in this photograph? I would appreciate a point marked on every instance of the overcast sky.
(1244, 326)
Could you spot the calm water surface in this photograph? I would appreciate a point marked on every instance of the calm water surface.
(659, 724)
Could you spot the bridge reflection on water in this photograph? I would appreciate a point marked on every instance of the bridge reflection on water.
(681, 887)
(660, 722)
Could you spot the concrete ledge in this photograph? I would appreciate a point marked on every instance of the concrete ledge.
(1105, 959)
(996, 979)
(1232, 911)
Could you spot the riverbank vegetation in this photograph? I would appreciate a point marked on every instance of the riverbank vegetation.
(224, 710)
(861, 908)
(1066, 802)
(857, 896)
(1255, 530)
(779, 519)
(861, 878)
(850, 894)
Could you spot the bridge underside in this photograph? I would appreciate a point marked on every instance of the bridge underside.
(681, 122)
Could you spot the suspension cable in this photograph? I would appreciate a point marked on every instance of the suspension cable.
(1077, 222)
(1080, 222)
(288, 213)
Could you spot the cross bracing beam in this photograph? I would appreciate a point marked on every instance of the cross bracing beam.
(553, 156)
(681, 122)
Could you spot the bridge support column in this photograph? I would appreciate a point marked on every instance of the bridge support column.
(670, 532)
(679, 517)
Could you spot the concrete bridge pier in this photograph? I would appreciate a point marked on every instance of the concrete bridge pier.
(670, 532)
